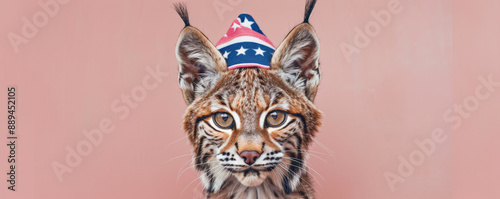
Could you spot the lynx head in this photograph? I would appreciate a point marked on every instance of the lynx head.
(250, 125)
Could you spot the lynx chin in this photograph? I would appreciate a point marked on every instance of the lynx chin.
(250, 125)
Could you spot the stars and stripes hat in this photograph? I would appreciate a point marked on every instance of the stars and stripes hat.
(244, 44)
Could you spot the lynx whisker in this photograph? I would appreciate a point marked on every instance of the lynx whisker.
(304, 169)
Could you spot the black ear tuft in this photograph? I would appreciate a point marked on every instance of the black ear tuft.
(309, 8)
(181, 9)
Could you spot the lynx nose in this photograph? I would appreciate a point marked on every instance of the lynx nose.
(249, 156)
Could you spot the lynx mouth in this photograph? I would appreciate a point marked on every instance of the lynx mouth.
(251, 177)
(252, 170)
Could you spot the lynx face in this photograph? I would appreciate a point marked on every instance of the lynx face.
(249, 124)
(250, 127)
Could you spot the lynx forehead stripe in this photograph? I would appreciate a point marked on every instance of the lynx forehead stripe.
(245, 45)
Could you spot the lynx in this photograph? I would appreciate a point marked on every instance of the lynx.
(251, 127)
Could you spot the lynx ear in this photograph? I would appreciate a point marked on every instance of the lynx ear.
(200, 63)
(296, 60)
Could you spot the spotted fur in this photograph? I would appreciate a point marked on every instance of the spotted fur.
(249, 95)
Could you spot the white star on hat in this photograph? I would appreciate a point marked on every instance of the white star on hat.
(235, 25)
(259, 51)
(247, 23)
(241, 51)
(226, 54)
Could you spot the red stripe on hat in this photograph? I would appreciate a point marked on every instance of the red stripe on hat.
(246, 65)
(242, 31)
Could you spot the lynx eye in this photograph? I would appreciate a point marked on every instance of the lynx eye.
(275, 118)
(223, 120)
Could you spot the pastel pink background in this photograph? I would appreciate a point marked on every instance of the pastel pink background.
(393, 92)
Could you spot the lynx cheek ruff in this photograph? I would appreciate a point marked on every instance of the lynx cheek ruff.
(245, 45)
